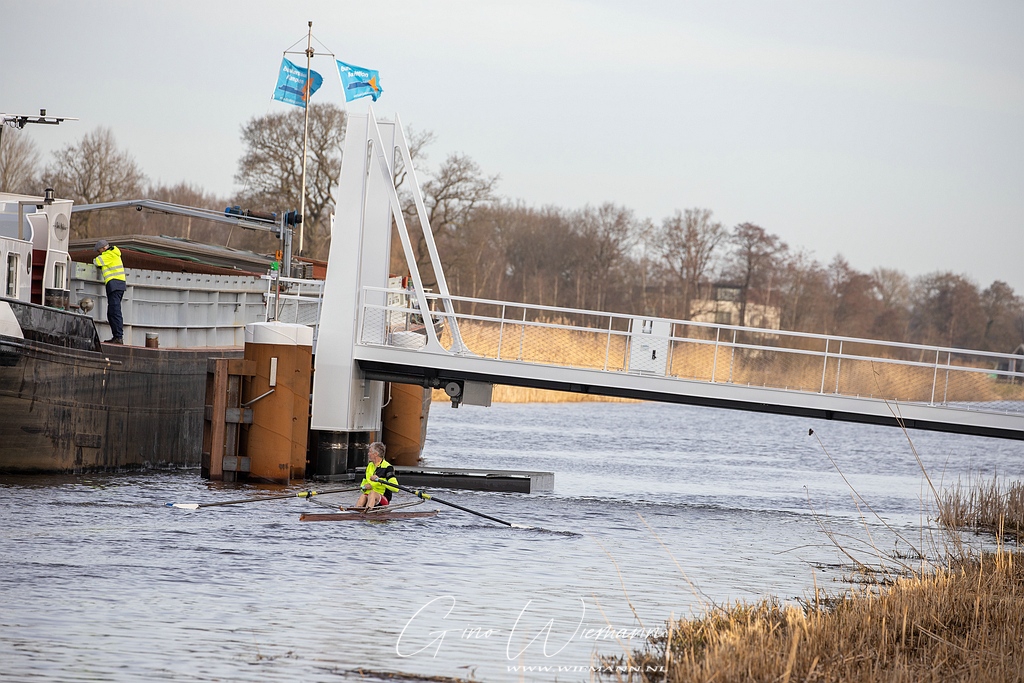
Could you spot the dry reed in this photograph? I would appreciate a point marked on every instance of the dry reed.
(538, 345)
(994, 506)
(960, 622)
(964, 622)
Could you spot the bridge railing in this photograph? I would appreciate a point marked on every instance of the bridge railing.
(700, 351)
(294, 300)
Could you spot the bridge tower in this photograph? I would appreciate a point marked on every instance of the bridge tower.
(346, 411)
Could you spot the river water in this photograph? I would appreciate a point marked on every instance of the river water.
(658, 510)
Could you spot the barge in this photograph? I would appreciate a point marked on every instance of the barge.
(69, 403)
(72, 404)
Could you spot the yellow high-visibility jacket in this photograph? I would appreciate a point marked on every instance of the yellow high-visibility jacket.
(384, 472)
(110, 263)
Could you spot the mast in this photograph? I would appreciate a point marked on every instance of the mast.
(305, 133)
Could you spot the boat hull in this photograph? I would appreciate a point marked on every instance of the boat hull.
(364, 516)
(98, 407)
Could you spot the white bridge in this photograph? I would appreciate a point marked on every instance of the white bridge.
(369, 335)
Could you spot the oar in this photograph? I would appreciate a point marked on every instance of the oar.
(427, 496)
(301, 494)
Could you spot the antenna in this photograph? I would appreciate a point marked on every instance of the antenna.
(21, 120)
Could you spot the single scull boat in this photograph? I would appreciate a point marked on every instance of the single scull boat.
(379, 513)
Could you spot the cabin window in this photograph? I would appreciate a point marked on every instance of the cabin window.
(58, 276)
(11, 289)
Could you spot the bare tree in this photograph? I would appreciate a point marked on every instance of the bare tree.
(855, 305)
(649, 282)
(418, 141)
(892, 287)
(687, 243)
(474, 261)
(19, 162)
(1004, 311)
(540, 253)
(606, 235)
(948, 311)
(270, 170)
(803, 291)
(754, 260)
(93, 171)
(450, 196)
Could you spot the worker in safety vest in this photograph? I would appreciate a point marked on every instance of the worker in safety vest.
(109, 262)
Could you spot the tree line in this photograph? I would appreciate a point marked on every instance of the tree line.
(605, 258)
(602, 257)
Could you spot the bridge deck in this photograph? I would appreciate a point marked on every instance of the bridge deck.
(773, 371)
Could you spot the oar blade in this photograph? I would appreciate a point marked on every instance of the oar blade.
(184, 506)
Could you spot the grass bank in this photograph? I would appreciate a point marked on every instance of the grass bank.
(961, 621)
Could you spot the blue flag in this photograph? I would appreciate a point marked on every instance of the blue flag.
(359, 82)
(293, 86)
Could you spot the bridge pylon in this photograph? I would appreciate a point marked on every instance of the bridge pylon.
(367, 202)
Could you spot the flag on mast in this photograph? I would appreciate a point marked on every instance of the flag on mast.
(359, 82)
(292, 85)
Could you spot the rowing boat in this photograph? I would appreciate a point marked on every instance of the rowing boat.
(379, 513)
(354, 516)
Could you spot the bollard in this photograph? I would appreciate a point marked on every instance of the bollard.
(152, 340)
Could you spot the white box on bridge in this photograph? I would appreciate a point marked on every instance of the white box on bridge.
(648, 345)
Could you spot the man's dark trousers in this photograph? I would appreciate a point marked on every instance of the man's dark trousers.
(115, 291)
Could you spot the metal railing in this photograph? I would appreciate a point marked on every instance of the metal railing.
(185, 310)
(295, 301)
(700, 351)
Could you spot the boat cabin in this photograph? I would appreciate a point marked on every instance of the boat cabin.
(34, 261)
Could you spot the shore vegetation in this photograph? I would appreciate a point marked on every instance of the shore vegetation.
(961, 620)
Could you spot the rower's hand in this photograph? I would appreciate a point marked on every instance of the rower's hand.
(374, 478)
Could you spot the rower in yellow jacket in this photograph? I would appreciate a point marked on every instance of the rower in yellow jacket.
(379, 473)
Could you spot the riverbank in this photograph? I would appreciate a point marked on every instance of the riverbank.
(962, 621)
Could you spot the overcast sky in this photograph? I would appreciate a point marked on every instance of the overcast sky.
(889, 132)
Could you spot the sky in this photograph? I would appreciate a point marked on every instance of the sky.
(891, 133)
